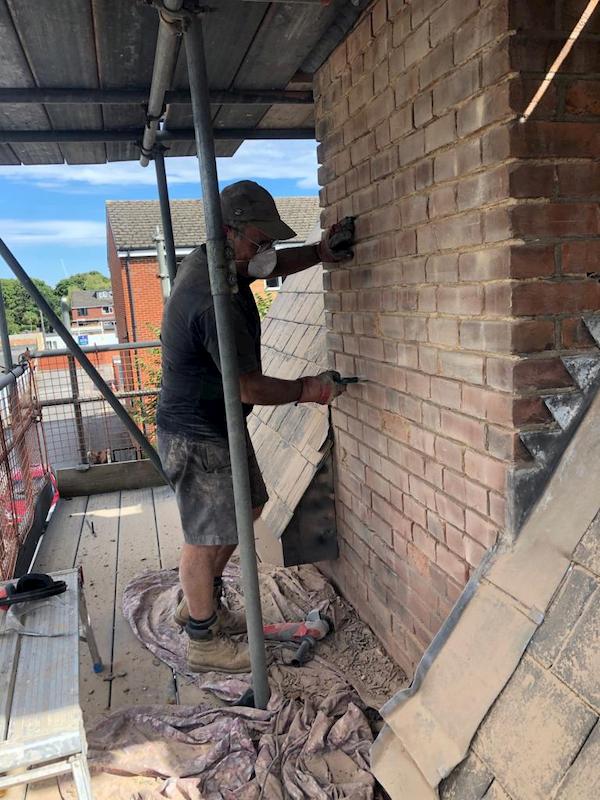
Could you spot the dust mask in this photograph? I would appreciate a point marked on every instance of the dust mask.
(263, 263)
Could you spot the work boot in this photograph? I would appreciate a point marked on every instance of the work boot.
(230, 622)
(213, 651)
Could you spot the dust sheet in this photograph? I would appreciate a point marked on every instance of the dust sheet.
(312, 741)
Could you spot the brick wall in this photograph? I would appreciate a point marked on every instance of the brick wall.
(475, 239)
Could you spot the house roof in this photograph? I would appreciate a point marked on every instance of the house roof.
(291, 441)
(83, 69)
(134, 222)
(81, 298)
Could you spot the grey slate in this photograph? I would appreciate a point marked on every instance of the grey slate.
(470, 780)
(579, 662)
(582, 781)
(562, 616)
(533, 732)
(134, 222)
(588, 550)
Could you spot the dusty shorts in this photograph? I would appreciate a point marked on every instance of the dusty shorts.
(200, 472)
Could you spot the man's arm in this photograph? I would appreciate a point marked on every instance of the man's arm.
(258, 389)
(295, 259)
(336, 245)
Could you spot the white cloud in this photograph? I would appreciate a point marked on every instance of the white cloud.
(69, 232)
(271, 160)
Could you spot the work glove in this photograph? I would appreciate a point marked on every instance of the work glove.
(337, 243)
(322, 388)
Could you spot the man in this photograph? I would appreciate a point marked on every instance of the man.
(192, 431)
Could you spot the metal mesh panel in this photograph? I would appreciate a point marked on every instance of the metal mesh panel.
(79, 425)
(24, 469)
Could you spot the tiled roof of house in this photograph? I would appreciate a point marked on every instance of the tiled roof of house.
(289, 440)
(81, 298)
(134, 222)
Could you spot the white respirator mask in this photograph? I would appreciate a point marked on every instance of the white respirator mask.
(263, 263)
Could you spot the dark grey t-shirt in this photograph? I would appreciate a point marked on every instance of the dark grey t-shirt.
(191, 397)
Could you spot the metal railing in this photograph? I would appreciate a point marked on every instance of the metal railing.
(24, 469)
(79, 425)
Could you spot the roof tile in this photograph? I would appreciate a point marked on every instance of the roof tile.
(134, 222)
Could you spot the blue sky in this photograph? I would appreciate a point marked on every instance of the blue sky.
(53, 218)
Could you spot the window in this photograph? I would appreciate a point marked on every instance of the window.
(107, 309)
(82, 312)
(273, 284)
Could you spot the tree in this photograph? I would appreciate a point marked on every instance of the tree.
(90, 281)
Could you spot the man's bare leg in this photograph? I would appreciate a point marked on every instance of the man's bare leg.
(196, 574)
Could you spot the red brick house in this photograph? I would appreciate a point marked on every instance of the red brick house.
(93, 310)
(131, 231)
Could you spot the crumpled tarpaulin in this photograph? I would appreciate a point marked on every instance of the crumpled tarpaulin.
(313, 740)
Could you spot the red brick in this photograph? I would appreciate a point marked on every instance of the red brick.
(455, 540)
(541, 139)
(464, 429)
(424, 174)
(422, 492)
(463, 158)
(583, 98)
(491, 106)
(379, 15)
(404, 182)
(384, 163)
(464, 300)
(422, 109)
(413, 210)
(443, 331)
(574, 333)
(483, 189)
(462, 366)
(474, 552)
(450, 17)
(415, 511)
(401, 122)
(486, 470)
(443, 268)
(556, 219)
(451, 564)
(480, 529)
(401, 17)
(549, 297)
(440, 132)
(540, 374)
(487, 25)
(424, 541)
(416, 46)
(442, 201)
(460, 84)
(360, 38)
(412, 147)
(497, 509)
(498, 298)
(450, 234)
(476, 497)
(530, 411)
(381, 107)
(579, 180)
(437, 63)
(447, 393)
(531, 261)
(497, 224)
